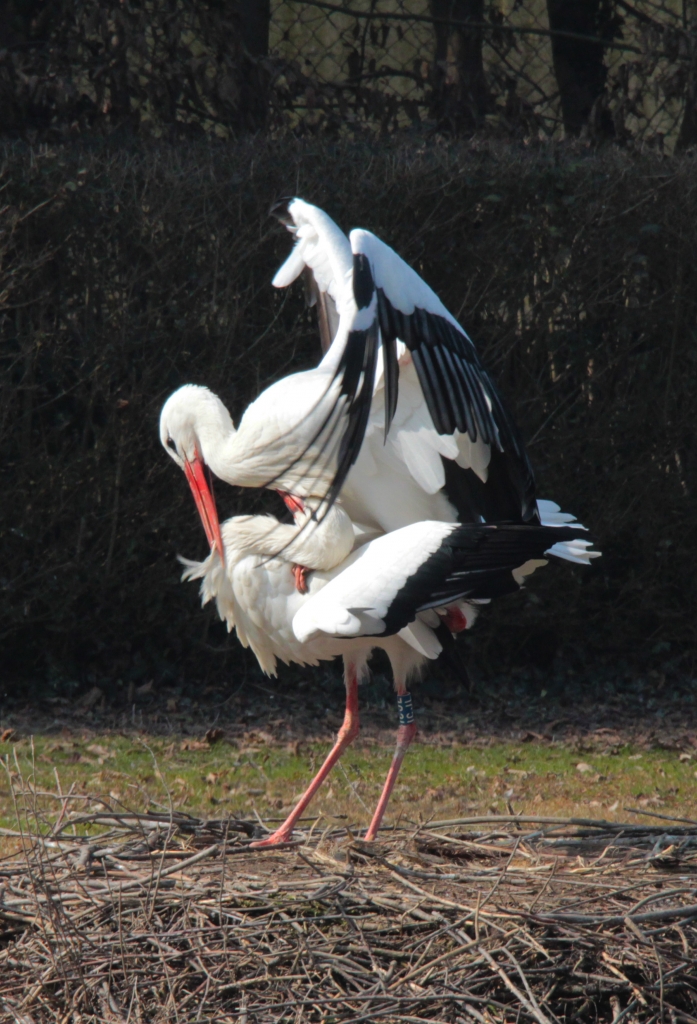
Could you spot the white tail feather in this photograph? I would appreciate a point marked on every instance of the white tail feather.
(422, 639)
(552, 515)
(215, 585)
(579, 551)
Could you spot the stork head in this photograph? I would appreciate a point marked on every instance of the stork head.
(193, 420)
(190, 418)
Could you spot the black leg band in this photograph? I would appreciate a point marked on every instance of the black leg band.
(405, 709)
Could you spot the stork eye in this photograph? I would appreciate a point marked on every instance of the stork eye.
(171, 443)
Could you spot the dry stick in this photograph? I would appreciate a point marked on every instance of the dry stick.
(351, 924)
(475, 1013)
(73, 937)
(533, 1009)
(683, 939)
(421, 998)
(221, 887)
(596, 887)
(353, 787)
(436, 899)
(168, 975)
(364, 889)
(64, 801)
(158, 773)
(379, 1013)
(661, 990)
(201, 855)
(529, 991)
(627, 1010)
(531, 942)
(655, 915)
(33, 881)
(663, 817)
(427, 967)
(545, 887)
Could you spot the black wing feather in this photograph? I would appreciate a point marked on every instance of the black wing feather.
(357, 368)
(455, 383)
(475, 384)
(435, 384)
(449, 379)
(426, 387)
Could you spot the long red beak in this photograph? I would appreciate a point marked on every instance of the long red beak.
(205, 503)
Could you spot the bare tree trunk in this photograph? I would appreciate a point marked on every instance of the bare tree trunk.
(687, 136)
(460, 96)
(579, 65)
(120, 110)
(254, 21)
(255, 17)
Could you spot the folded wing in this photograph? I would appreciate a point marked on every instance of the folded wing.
(428, 565)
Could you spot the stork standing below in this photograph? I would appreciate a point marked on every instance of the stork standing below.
(401, 592)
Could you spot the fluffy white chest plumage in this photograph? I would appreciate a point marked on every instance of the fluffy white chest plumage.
(262, 596)
(257, 596)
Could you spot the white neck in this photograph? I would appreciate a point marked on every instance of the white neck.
(269, 446)
(217, 439)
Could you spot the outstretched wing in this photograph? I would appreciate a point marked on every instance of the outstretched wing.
(460, 395)
(428, 565)
(456, 410)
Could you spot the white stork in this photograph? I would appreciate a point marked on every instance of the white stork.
(402, 592)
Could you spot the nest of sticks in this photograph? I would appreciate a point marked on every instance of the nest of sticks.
(127, 917)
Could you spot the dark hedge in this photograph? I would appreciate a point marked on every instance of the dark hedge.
(126, 273)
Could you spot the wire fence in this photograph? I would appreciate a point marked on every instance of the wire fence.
(607, 68)
(620, 69)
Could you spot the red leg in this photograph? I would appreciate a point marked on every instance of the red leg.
(347, 734)
(405, 734)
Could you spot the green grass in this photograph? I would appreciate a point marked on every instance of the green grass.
(436, 781)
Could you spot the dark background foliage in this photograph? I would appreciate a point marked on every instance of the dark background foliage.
(605, 69)
(126, 273)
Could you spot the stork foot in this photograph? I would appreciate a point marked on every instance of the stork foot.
(300, 573)
(292, 503)
(275, 839)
